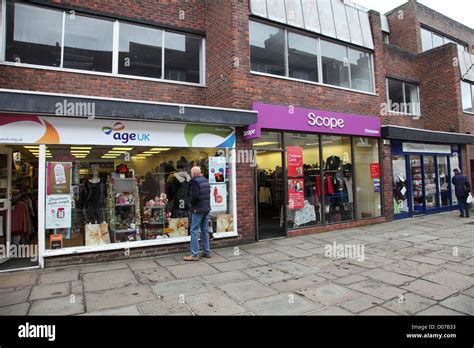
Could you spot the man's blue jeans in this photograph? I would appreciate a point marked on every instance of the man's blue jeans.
(199, 226)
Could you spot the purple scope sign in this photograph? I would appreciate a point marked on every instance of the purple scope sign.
(280, 117)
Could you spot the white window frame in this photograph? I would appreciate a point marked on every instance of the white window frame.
(115, 54)
(404, 112)
(319, 63)
(443, 37)
(471, 89)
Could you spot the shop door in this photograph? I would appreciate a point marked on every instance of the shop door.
(5, 204)
(417, 185)
(270, 195)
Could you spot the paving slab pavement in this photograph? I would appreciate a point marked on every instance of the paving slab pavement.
(419, 266)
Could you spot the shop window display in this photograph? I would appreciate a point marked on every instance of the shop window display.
(303, 168)
(400, 185)
(337, 181)
(99, 195)
(368, 177)
(416, 183)
(430, 182)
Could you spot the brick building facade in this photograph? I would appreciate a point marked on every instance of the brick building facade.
(227, 81)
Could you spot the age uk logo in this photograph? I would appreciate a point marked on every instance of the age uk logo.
(119, 134)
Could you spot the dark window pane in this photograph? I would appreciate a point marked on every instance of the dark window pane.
(361, 73)
(33, 35)
(139, 51)
(303, 57)
(88, 43)
(335, 64)
(267, 49)
(395, 95)
(182, 57)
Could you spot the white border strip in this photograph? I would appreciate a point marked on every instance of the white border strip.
(41, 202)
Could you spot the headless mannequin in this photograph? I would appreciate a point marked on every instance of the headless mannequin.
(95, 198)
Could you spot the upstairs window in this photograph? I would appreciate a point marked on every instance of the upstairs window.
(403, 97)
(431, 40)
(88, 43)
(467, 91)
(140, 50)
(33, 35)
(267, 49)
(281, 52)
(42, 36)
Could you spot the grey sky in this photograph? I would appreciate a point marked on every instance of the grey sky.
(459, 10)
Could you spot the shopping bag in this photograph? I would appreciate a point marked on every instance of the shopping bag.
(469, 199)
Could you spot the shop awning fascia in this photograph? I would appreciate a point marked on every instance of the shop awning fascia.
(421, 135)
(42, 103)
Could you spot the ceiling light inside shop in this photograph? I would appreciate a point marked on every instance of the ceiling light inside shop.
(118, 152)
(81, 148)
(122, 148)
(31, 147)
(138, 158)
(159, 149)
(151, 152)
(80, 151)
(264, 143)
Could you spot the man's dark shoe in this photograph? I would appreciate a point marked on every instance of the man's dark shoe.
(207, 256)
(461, 215)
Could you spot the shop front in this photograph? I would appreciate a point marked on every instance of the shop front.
(76, 186)
(422, 171)
(314, 169)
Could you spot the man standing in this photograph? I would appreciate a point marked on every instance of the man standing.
(200, 201)
(462, 190)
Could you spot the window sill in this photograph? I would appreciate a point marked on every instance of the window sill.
(128, 245)
(468, 112)
(311, 83)
(97, 73)
(402, 114)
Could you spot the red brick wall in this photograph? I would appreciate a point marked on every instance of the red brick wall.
(403, 27)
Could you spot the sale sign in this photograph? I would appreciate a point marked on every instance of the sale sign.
(295, 193)
(294, 155)
(375, 170)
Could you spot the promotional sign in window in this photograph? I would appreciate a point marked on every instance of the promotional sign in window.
(217, 169)
(294, 156)
(295, 193)
(375, 170)
(58, 211)
(218, 197)
(59, 177)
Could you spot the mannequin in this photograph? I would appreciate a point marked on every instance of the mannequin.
(95, 197)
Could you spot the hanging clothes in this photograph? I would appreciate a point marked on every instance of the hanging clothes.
(264, 195)
(328, 187)
(21, 224)
(350, 193)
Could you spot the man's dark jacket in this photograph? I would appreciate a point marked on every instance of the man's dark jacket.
(460, 183)
(200, 195)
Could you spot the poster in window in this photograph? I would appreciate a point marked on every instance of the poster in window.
(218, 197)
(375, 170)
(376, 185)
(217, 169)
(294, 155)
(59, 178)
(58, 211)
(295, 193)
